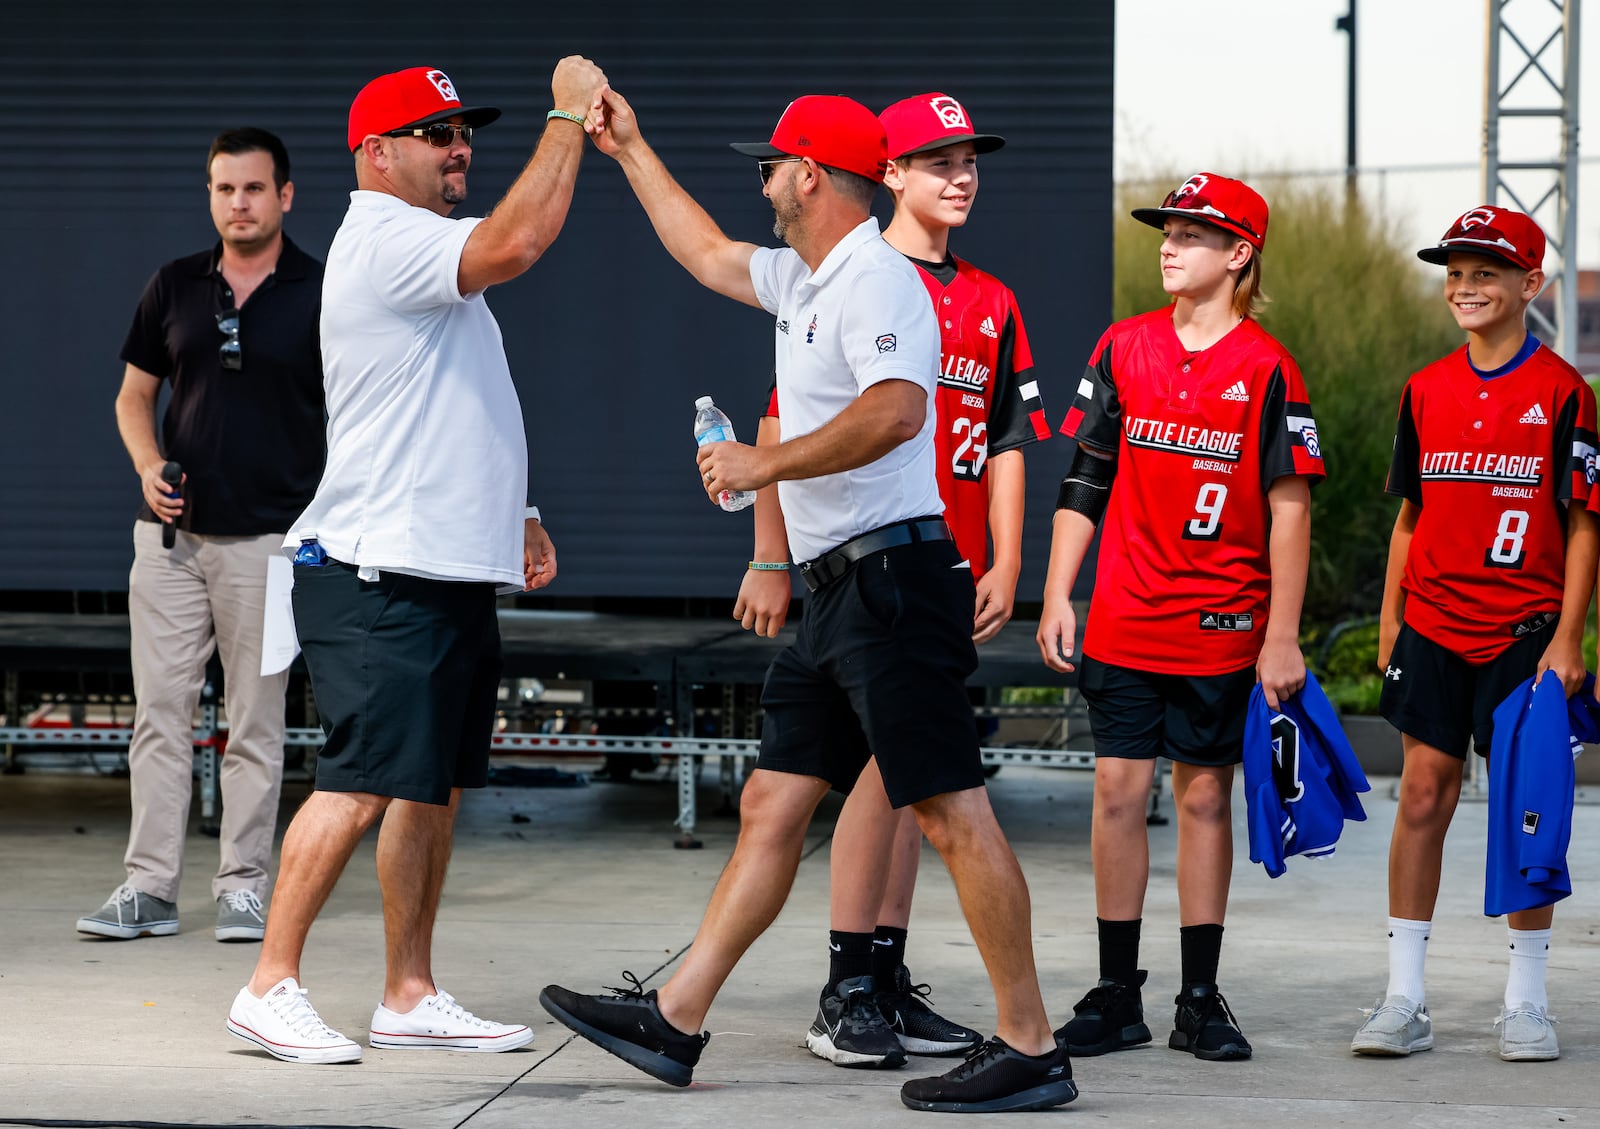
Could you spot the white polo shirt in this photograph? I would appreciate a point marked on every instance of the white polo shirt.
(861, 318)
(427, 461)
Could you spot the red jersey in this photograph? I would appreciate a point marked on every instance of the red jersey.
(987, 400)
(1184, 574)
(1493, 464)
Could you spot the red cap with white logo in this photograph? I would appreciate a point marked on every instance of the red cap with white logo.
(1205, 197)
(832, 130)
(931, 121)
(411, 97)
(1498, 233)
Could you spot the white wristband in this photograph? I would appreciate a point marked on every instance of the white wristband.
(533, 512)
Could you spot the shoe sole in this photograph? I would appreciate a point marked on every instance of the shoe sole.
(1530, 1055)
(931, 1048)
(658, 1066)
(1231, 1053)
(98, 928)
(1126, 1039)
(240, 933)
(823, 1046)
(475, 1043)
(1374, 1049)
(1047, 1096)
(323, 1056)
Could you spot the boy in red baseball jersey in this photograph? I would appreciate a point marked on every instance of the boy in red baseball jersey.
(1197, 445)
(1491, 567)
(988, 408)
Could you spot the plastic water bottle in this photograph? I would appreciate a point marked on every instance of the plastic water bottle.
(711, 425)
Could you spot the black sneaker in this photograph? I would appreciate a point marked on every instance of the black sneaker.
(920, 1029)
(996, 1079)
(850, 1030)
(1205, 1027)
(628, 1023)
(1109, 1018)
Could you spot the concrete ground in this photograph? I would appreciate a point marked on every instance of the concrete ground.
(574, 885)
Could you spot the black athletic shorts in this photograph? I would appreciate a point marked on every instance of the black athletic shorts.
(406, 673)
(879, 669)
(1439, 698)
(1139, 715)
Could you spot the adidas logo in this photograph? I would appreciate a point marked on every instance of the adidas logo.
(1237, 392)
(1534, 414)
(986, 327)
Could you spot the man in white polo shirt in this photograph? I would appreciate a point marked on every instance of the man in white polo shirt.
(879, 667)
(418, 523)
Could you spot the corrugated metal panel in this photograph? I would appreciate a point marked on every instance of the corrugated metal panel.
(609, 340)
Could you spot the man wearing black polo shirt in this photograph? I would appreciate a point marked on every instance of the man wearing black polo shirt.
(233, 333)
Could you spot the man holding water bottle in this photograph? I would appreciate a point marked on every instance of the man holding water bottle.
(879, 666)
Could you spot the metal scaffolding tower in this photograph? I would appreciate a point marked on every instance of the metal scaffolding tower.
(1532, 40)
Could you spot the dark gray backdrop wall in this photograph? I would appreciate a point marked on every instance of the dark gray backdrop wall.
(609, 340)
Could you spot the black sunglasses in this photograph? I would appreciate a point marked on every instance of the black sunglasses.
(441, 135)
(229, 353)
(1194, 202)
(766, 168)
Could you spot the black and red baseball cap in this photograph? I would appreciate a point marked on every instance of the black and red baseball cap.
(931, 121)
(1498, 233)
(830, 129)
(412, 97)
(1205, 197)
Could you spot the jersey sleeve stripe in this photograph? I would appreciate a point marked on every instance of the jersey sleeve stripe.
(1070, 425)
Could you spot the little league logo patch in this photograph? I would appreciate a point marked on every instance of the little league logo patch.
(886, 343)
(1478, 217)
(811, 330)
(1588, 469)
(1191, 187)
(441, 83)
(1530, 823)
(1313, 448)
(951, 114)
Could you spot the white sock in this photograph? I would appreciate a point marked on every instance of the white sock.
(1530, 952)
(1408, 949)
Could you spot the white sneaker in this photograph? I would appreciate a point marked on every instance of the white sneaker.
(1527, 1034)
(285, 1025)
(1394, 1028)
(439, 1023)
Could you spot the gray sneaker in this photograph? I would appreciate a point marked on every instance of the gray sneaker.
(1527, 1034)
(131, 913)
(1395, 1027)
(240, 917)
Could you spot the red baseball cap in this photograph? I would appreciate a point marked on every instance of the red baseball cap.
(1205, 197)
(931, 121)
(411, 97)
(832, 130)
(1498, 233)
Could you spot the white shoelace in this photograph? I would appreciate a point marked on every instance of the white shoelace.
(243, 901)
(294, 1008)
(444, 1002)
(123, 893)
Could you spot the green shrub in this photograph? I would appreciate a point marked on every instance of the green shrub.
(1360, 314)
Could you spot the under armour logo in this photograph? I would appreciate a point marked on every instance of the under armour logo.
(1392, 673)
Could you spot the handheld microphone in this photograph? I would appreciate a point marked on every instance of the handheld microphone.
(172, 475)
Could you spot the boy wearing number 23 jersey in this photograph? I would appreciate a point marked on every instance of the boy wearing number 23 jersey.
(1197, 447)
(1491, 566)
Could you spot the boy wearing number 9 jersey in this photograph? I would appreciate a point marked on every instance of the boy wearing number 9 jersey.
(1197, 445)
(1491, 566)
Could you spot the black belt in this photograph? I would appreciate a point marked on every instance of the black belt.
(832, 565)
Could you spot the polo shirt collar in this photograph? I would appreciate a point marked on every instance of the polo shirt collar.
(863, 232)
(291, 267)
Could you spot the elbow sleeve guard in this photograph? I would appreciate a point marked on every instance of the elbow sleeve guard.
(1087, 487)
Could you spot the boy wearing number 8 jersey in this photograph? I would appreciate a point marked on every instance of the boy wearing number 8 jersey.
(1491, 566)
(1197, 444)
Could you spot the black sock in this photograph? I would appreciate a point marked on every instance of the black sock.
(849, 956)
(1119, 949)
(888, 954)
(1202, 950)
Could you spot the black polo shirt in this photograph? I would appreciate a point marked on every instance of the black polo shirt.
(251, 441)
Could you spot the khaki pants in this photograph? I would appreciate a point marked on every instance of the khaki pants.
(181, 601)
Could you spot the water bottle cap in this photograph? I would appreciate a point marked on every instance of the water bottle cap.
(703, 403)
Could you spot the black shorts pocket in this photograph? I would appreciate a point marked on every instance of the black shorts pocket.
(879, 589)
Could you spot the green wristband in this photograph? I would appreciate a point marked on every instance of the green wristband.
(769, 566)
(571, 117)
